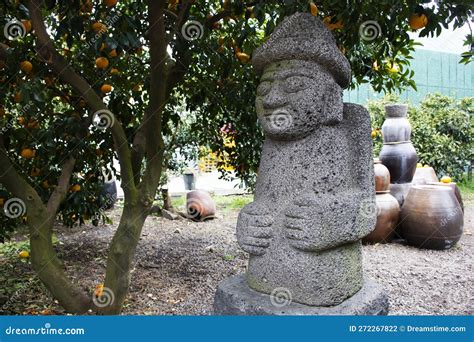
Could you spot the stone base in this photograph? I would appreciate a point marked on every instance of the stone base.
(234, 297)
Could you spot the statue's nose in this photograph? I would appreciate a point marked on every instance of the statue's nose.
(275, 98)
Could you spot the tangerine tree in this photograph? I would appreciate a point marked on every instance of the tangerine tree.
(83, 82)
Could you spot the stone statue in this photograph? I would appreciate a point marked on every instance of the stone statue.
(315, 193)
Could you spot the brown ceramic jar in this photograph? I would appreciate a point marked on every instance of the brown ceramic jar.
(431, 217)
(400, 159)
(424, 175)
(388, 212)
(454, 187)
(382, 176)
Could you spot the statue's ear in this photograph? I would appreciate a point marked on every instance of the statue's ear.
(333, 104)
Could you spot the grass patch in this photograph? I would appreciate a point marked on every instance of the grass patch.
(223, 203)
(467, 190)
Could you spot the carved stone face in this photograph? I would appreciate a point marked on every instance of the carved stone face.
(295, 97)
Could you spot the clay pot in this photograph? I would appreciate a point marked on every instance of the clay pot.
(200, 206)
(396, 126)
(454, 187)
(388, 212)
(431, 217)
(424, 175)
(382, 176)
(400, 159)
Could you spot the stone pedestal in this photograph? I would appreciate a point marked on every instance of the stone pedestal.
(235, 297)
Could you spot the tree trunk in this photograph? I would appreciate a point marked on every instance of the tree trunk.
(48, 267)
(120, 257)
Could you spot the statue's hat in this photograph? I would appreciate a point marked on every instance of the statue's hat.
(304, 37)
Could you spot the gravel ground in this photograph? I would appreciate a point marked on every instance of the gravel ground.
(179, 264)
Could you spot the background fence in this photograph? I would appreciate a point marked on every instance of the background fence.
(434, 72)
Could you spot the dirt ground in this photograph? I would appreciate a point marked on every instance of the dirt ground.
(179, 264)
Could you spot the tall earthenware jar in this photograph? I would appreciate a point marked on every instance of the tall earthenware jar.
(398, 153)
(396, 126)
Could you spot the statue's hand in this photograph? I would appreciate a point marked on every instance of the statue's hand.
(318, 222)
(254, 228)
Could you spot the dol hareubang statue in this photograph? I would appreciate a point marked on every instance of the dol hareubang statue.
(315, 196)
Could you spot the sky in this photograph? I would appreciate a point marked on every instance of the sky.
(449, 40)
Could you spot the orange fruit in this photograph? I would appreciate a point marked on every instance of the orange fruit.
(23, 254)
(45, 184)
(28, 153)
(75, 188)
(106, 88)
(417, 21)
(18, 97)
(110, 3)
(313, 9)
(137, 87)
(373, 134)
(243, 57)
(21, 120)
(26, 25)
(393, 67)
(446, 179)
(102, 62)
(35, 172)
(26, 66)
(114, 71)
(99, 27)
(102, 47)
(32, 124)
(332, 26)
(99, 289)
(2, 202)
(113, 53)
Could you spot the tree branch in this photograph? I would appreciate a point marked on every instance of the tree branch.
(158, 76)
(65, 72)
(60, 191)
(40, 223)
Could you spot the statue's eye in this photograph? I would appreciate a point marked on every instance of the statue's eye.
(263, 88)
(296, 83)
